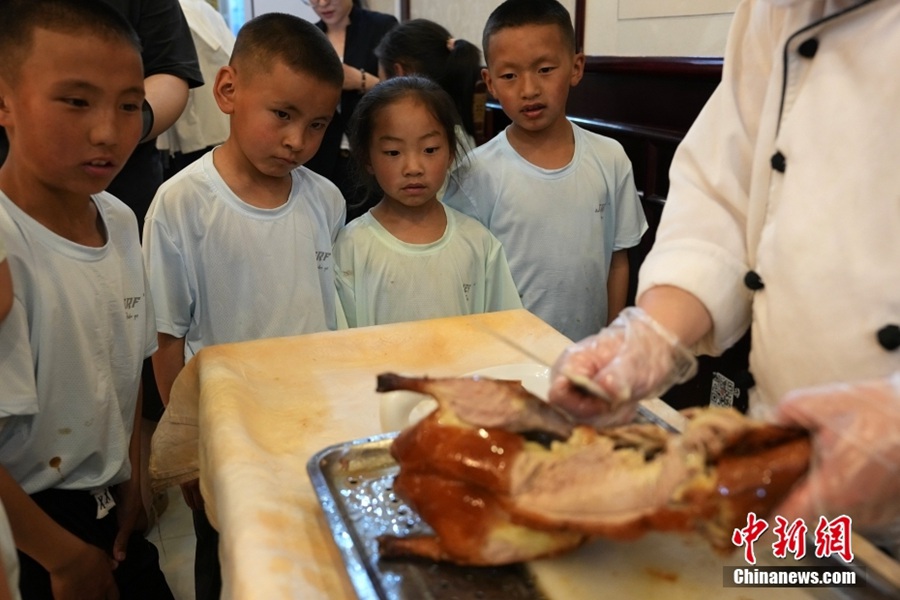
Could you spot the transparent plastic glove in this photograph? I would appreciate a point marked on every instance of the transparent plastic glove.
(855, 469)
(632, 359)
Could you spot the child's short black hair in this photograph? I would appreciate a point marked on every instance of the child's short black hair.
(518, 13)
(20, 18)
(425, 48)
(296, 42)
(387, 92)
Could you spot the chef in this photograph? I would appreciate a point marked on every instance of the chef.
(783, 216)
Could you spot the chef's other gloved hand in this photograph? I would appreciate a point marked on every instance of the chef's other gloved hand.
(632, 359)
(855, 468)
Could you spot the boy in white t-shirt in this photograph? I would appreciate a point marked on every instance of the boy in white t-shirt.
(561, 199)
(81, 323)
(238, 245)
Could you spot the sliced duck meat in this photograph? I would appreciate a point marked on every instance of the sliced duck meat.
(486, 402)
(493, 497)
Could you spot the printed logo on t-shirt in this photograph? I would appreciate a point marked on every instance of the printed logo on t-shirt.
(601, 206)
(467, 287)
(322, 261)
(131, 307)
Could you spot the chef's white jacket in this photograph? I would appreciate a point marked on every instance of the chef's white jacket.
(789, 183)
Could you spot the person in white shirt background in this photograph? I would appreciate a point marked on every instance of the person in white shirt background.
(202, 125)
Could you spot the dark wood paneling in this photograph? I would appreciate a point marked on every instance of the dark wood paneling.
(579, 23)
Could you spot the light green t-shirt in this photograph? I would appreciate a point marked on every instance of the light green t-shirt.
(381, 279)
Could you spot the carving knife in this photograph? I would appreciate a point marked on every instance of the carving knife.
(653, 410)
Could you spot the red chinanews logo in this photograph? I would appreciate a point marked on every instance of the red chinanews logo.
(831, 537)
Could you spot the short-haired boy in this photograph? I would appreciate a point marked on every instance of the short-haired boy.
(238, 245)
(561, 199)
(71, 349)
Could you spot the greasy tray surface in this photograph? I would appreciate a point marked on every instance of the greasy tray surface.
(353, 482)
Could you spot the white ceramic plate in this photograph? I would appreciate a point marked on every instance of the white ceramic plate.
(401, 408)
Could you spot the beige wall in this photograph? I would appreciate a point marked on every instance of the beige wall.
(675, 35)
(612, 27)
(605, 32)
(391, 7)
(463, 18)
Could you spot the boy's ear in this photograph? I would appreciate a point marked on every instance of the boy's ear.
(577, 69)
(5, 113)
(224, 89)
(486, 77)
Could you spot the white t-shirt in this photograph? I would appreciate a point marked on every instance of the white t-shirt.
(224, 271)
(559, 227)
(71, 351)
(381, 279)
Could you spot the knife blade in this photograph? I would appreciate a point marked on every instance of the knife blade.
(650, 409)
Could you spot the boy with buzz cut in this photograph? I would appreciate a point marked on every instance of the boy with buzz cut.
(81, 324)
(561, 199)
(238, 245)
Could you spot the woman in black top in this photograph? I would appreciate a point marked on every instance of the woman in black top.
(354, 32)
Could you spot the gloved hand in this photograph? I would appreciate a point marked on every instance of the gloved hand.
(855, 468)
(632, 359)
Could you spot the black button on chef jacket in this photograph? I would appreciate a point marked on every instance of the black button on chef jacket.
(889, 337)
(753, 281)
(779, 162)
(808, 48)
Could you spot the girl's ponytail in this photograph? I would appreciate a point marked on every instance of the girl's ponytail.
(460, 74)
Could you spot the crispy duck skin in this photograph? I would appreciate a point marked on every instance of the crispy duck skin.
(471, 527)
(492, 497)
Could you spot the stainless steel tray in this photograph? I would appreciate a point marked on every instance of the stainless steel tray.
(354, 483)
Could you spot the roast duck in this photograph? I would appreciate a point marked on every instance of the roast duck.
(501, 476)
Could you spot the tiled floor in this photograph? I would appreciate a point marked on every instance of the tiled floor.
(174, 538)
